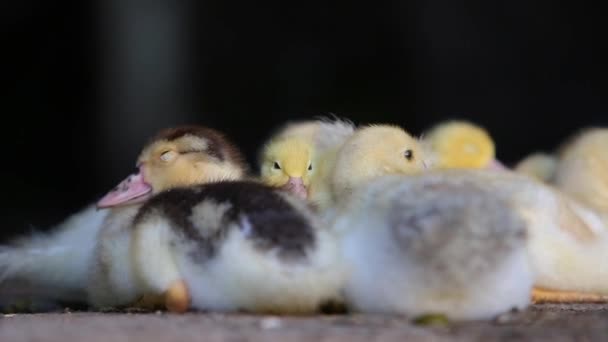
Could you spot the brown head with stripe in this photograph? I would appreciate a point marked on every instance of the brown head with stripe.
(179, 156)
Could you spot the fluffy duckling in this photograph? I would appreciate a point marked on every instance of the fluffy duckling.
(289, 159)
(462, 144)
(175, 157)
(370, 152)
(540, 166)
(582, 169)
(287, 163)
(568, 242)
(419, 245)
(235, 246)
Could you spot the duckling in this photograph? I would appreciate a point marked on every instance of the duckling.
(568, 242)
(538, 165)
(370, 152)
(421, 245)
(287, 163)
(175, 157)
(462, 144)
(582, 169)
(235, 246)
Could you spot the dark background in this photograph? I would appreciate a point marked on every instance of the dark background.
(86, 83)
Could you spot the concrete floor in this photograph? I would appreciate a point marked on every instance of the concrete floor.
(547, 322)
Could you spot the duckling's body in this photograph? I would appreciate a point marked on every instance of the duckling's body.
(418, 246)
(236, 246)
(568, 242)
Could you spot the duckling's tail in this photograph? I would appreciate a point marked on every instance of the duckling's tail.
(51, 266)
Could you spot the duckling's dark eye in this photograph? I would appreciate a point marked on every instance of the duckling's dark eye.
(309, 167)
(409, 154)
(277, 166)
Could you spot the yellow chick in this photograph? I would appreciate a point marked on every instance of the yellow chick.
(462, 145)
(582, 169)
(287, 163)
(370, 152)
(540, 166)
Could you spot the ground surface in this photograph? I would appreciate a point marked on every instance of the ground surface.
(539, 323)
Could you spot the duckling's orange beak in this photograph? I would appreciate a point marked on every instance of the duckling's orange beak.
(133, 189)
(296, 186)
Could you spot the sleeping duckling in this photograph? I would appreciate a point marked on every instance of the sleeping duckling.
(582, 169)
(370, 152)
(444, 248)
(461, 144)
(540, 166)
(235, 246)
(55, 266)
(287, 163)
(175, 157)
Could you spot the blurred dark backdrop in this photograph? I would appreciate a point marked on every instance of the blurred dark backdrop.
(86, 83)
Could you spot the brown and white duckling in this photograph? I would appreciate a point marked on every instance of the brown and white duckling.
(235, 246)
(175, 157)
(372, 151)
(421, 245)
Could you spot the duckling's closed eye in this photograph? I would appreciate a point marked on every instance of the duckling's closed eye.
(409, 155)
(168, 155)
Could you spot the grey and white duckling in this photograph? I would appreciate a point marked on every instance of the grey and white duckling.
(235, 246)
(175, 157)
(422, 245)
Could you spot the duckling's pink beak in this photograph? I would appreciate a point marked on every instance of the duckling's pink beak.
(133, 189)
(296, 186)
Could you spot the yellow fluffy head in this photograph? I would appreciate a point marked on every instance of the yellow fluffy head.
(189, 155)
(376, 151)
(461, 144)
(287, 158)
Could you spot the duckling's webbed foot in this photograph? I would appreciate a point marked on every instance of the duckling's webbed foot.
(541, 296)
(177, 297)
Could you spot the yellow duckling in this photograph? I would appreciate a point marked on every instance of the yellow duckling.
(370, 152)
(287, 163)
(462, 145)
(582, 169)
